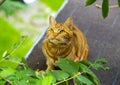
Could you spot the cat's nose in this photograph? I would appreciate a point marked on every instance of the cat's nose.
(55, 34)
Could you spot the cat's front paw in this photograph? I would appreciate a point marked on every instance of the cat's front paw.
(49, 68)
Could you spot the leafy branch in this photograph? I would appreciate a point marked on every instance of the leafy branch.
(6, 55)
(80, 72)
(10, 6)
(105, 6)
(16, 72)
(19, 74)
(66, 80)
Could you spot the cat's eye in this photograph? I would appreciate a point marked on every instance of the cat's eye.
(50, 30)
(61, 30)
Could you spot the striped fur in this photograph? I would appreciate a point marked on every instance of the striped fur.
(65, 41)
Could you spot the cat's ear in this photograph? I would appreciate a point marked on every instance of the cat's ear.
(52, 20)
(69, 22)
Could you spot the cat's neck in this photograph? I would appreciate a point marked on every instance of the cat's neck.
(58, 46)
(59, 50)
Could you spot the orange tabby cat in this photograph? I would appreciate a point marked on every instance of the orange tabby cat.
(64, 40)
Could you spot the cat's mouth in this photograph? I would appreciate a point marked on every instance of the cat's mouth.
(58, 41)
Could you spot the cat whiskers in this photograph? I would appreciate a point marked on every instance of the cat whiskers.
(59, 42)
(65, 41)
(53, 41)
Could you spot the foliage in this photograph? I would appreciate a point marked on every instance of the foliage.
(105, 6)
(10, 6)
(16, 72)
(8, 35)
(119, 3)
(11, 39)
(89, 2)
(13, 68)
(53, 4)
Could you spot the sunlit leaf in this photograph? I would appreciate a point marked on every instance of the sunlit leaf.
(105, 8)
(39, 82)
(6, 73)
(8, 64)
(53, 4)
(5, 55)
(50, 73)
(89, 2)
(68, 66)
(60, 75)
(15, 46)
(47, 80)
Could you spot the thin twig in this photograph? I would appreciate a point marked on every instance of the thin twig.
(10, 82)
(68, 79)
(111, 6)
(72, 77)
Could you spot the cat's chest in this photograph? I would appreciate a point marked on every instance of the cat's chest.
(57, 51)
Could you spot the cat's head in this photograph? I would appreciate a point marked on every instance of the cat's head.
(59, 33)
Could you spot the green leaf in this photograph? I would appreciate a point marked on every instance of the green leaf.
(22, 82)
(89, 2)
(105, 8)
(86, 70)
(18, 4)
(95, 81)
(28, 72)
(119, 3)
(84, 80)
(68, 66)
(100, 60)
(2, 82)
(49, 73)
(47, 80)
(86, 62)
(15, 46)
(39, 82)
(97, 66)
(6, 55)
(53, 4)
(12, 77)
(10, 6)
(8, 64)
(6, 73)
(78, 82)
(24, 77)
(60, 75)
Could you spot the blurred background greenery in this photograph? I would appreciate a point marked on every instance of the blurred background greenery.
(21, 24)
